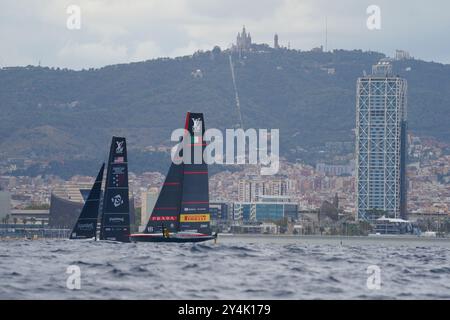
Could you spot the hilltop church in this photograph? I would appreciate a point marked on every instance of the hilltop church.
(243, 41)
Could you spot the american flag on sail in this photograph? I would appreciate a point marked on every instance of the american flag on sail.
(118, 176)
(119, 159)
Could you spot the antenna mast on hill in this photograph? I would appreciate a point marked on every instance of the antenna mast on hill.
(326, 34)
(236, 95)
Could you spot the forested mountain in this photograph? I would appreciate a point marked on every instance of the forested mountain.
(70, 115)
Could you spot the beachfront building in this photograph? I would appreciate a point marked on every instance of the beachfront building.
(381, 144)
(268, 208)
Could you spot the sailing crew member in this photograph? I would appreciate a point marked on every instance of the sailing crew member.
(165, 231)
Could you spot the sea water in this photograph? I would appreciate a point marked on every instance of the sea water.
(237, 267)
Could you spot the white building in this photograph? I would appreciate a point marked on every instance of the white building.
(402, 55)
(249, 190)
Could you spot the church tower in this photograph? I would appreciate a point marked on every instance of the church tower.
(243, 41)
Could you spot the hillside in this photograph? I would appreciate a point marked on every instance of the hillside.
(71, 115)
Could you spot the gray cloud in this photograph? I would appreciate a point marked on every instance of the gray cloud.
(118, 31)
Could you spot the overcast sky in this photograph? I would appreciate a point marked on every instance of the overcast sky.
(120, 31)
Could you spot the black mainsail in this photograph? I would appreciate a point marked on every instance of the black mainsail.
(181, 212)
(165, 214)
(86, 225)
(115, 224)
(194, 214)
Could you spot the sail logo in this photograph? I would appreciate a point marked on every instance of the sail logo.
(119, 146)
(197, 125)
(194, 218)
(118, 170)
(164, 218)
(194, 209)
(85, 226)
(236, 147)
(117, 200)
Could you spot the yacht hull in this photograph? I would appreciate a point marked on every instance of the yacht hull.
(172, 238)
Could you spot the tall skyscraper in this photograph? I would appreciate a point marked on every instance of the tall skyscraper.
(381, 144)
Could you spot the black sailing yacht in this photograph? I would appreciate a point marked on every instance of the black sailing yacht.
(86, 225)
(181, 212)
(115, 221)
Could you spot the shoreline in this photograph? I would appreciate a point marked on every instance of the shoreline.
(226, 236)
(336, 237)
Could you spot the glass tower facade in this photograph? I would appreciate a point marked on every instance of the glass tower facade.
(264, 211)
(381, 144)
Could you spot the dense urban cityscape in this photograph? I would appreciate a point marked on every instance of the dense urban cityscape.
(428, 183)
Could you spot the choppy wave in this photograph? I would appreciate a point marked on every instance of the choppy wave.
(234, 268)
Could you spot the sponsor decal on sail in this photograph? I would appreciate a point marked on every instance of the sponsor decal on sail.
(85, 226)
(197, 129)
(117, 200)
(119, 146)
(195, 217)
(193, 209)
(197, 125)
(164, 218)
